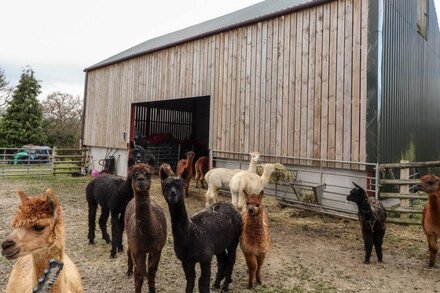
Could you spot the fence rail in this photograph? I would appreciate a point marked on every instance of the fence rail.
(15, 162)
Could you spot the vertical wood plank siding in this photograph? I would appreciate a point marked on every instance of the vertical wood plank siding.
(293, 85)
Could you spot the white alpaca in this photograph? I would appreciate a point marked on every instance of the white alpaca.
(249, 182)
(220, 178)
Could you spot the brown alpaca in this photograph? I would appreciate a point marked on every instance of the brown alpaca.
(38, 236)
(431, 214)
(255, 239)
(146, 229)
(202, 167)
(185, 166)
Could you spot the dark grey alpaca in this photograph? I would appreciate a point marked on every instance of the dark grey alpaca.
(372, 216)
(213, 231)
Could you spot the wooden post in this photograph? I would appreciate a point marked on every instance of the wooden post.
(54, 151)
(404, 188)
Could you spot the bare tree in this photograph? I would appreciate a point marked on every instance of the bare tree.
(62, 115)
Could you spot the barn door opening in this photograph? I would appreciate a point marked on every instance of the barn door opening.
(171, 128)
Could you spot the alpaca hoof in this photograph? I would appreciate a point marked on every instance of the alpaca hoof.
(367, 262)
(380, 260)
(129, 273)
(91, 242)
(113, 254)
(152, 290)
(107, 240)
(120, 248)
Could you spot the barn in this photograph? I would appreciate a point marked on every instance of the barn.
(328, 88)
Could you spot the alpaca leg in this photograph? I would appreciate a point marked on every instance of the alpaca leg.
(433, 248)
(207, 198)
(222, 262)
(368, 244)
(205, 276)
(378, 240)
(115, 233)
(186, 188)
(103, 224)
(241, 200)
(190, 275)
(139, 271)
(252, 264)
(234, 199)
(230, 265)
(92, 222)
(260, 261)
(129, 263)
(153, 264)
(121, 228)
(197, 178)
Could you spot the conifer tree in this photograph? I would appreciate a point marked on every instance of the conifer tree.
(22, 122)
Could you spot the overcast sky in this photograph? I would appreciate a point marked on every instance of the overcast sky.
(58, 38)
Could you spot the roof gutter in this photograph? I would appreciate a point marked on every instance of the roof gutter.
(217, 31)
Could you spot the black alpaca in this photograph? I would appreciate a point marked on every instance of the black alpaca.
(138, 154)
(372, 216)
(112, 193)
(213, 231)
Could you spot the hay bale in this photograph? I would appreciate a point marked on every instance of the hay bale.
(280, 175)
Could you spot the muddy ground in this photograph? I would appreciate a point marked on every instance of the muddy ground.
(309, 253)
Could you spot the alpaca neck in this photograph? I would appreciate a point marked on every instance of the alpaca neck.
(265, 177)
(364, 207)
(188, 163)
(56, 251)
(434, 202)
(253, 166)
(143, 212)
(179, 222)
(254, 227)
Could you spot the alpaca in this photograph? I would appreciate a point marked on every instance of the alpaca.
(213, 231)
(112, 193)
(186, 166)
(372, 216)
(220, 178)
(38, 236)
(146, 229)
(250, 182)
(202, 166)
(431, 214)
(138, 154)
(255, 239)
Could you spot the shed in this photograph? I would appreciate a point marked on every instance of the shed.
(320, 85)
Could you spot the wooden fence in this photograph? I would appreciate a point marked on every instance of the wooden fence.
(69, 161)
(403, 205)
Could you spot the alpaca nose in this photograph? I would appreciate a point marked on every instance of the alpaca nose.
(8, 244)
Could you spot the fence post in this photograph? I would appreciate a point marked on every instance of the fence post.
(54, 152)
(404, 188)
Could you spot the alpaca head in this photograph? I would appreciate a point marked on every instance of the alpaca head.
(34, 225)
(430, 183)
(165, 168)
(172, 186)
(357, 194)
(268, 169)
(190, 155)
(140, 175)
(255, 156)
(254, 205)
(138, 154)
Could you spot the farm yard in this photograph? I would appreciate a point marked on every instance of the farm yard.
(309, 252)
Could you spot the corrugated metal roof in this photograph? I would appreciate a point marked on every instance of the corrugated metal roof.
(254, 13)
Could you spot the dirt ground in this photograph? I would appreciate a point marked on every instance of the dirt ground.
(309, 252)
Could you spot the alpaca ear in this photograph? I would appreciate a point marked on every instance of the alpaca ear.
(22, 196)
(52, 199)
(245, 193)
(163, 173)
(131, 145)
(261, 194)
(357, 186)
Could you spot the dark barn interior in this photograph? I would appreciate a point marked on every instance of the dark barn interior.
(169, 124)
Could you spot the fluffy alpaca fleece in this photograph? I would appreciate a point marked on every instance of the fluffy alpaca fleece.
(431, 214)
(255, 238)
(38, 236)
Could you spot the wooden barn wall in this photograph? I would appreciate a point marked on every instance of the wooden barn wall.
(293, 85)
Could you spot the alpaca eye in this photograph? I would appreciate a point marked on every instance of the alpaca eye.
(38, 228)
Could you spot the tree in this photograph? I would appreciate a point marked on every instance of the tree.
(62, 119)
(5, 91)
(22, 122)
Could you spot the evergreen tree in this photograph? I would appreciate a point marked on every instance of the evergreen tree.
(22, 122)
